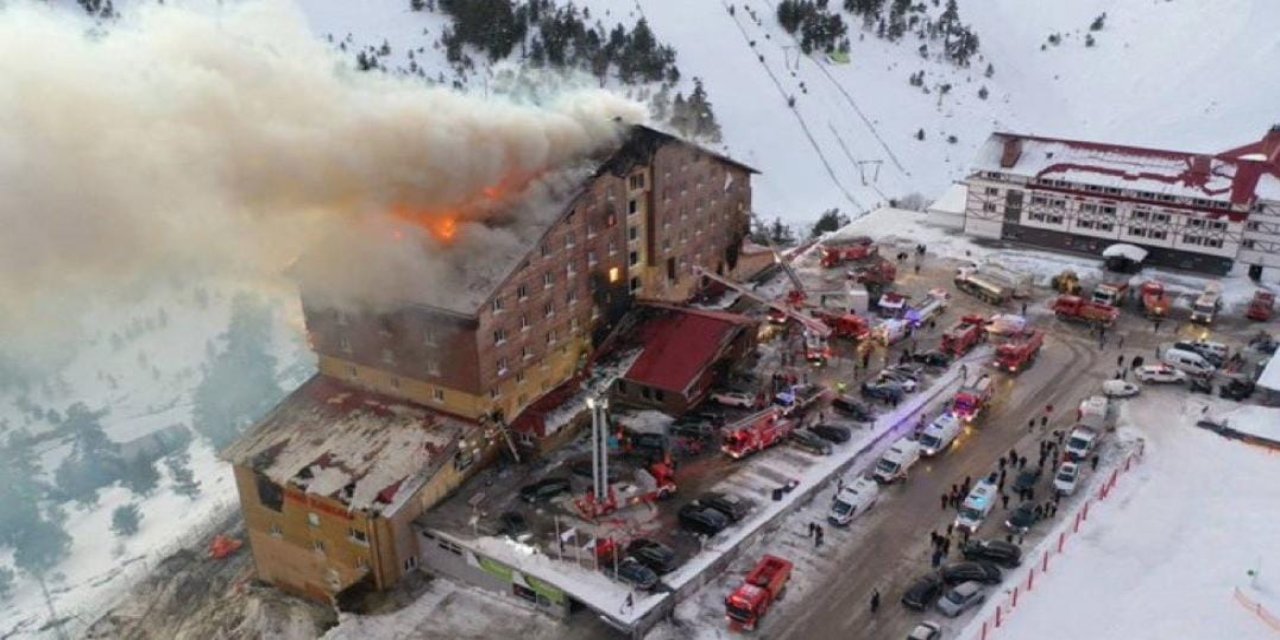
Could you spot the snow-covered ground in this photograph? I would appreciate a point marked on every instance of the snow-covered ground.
(1164, 558)
(140, 361)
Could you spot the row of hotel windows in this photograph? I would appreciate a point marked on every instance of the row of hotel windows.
(1113, 191)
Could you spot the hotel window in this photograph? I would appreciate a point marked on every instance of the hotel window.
(633, 258)
(568, 240)
(571, 296)
(614, 274)
(522, 292)
(1137, 232)
(1109, 210)
(546, 250)
(635, 284)
(502, 366)
(341, 318)
(357, 536)
(1088, 208)
(1190, 239)
(526, 353)
(992, 191)
(344, 344)
(591, 229)
(551, 337)
(1195, 222)
(988, 207)
(352, 373)
(388, 356)
(633, 233)
(573, 326)
(637, 181)
(632, 206)
(1039, 200)
(499, 304)
(438, 394)
(524, 322)
(1157, 235)
(313, 519)
(520, 377)
(429, 337)
(1141, 214)
(613, 247)
(499, 336)
(1253, 226)
(433, 366)
(592, 260)
(276, 532)
(494, 393)
(548, 309)
(1215, 243)
(1084, 224)
(548, 279)
(318, 545)
(1217, 225)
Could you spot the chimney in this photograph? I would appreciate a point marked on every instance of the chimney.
(1012, 151)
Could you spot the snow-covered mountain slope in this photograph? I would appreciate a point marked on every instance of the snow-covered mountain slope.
(1177, 74)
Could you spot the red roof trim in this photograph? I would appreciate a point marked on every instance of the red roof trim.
(680, 345)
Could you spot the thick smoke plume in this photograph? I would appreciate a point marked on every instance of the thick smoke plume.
(233, 140)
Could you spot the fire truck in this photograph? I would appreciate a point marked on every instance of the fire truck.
(1020, 352)
(1111, 293)
(1155, 302)
(892, 305)
(935, 303)
(844, 325)
(764, 585)
(1262, 306)
(1208, 304)
(816, 331)
(880, 272)
(964, 335)
(838, 252)
(971, 400)
(1081, 310)
(986, 288)
(756, 432)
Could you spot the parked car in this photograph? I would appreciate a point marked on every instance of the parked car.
(513, 524)
(1236, 389)
(935, 359)
(971, 571)
(908, 383)
(1065, 480)
(854, 408)
(1214, 352)
(1120, 389)
(544, 489)
(926, 631)
(631, 571)
(913, 371)
(1005, 554)
(1160, 373)
(1027, 478)
(699, 426)
(655, 442)
(655, 555)
(1022, 518)
(806, 440)
(922, 592)
(734, 399)
(834, 433)
(883, 390)
(733, 506)
(702, 519)
(961, 598)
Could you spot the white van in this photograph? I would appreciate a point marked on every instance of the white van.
(897, 461)
(1188, 361)
(853, 501)
(939, 435)
(1081, 443)
(1093, 412)
(977, 505)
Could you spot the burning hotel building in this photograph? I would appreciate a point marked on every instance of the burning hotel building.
(411, 400)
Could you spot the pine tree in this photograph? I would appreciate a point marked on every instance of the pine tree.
(703, 118)
(1098, 22)
(982, 93)
(920, 134)
(125, 520)
(830, 220)
(240, 384)
(991, 70)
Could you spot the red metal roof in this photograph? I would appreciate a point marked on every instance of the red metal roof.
(679, 344)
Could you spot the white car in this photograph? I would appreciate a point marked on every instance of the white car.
(1006, 324)
(1065, 480)
(734, 399)
(1119, 389)
(926, 631)
(1160, 373)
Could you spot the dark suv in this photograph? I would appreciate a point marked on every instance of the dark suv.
(702, 519)
(544, 490)
(655, 555)
(734, 507)
(1000, 552)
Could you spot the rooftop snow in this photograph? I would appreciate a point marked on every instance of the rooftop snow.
(362, 449)
(1162, 172)
(952, 200)
(1270, 378)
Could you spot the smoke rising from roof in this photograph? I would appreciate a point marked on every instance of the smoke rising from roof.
(231, 140)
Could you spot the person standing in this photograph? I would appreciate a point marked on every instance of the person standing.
(946, 499)
(1004, 498)
(875, 601)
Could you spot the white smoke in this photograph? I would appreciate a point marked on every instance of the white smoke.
(231, 139)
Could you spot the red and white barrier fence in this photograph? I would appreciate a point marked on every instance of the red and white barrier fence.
(1005, 607)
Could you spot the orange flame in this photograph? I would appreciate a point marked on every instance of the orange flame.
(443, 225)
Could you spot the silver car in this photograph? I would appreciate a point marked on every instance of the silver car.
(961, 598)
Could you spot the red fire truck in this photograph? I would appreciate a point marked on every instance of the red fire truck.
(964, 335)
(836, 253)
(1262, 306)
(971, 400)
(756, 432)
(880, 272)
(1019, 352)
(1081, 310)
(764, 585)
(1155, 302)
(844, 325)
